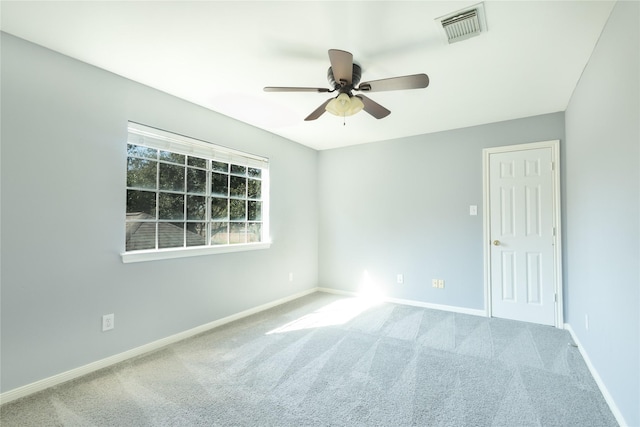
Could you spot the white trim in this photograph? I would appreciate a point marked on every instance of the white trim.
(414, 303)
(486, 237)
(594, 373)
(155, 345)
(554, 145)
(442, 307)
(153, 254)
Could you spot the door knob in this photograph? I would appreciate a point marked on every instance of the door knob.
(496, 243)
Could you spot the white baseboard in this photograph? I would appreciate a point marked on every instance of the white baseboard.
(117, 358)
(594, 373)
(450, 308)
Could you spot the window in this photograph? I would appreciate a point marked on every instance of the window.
(188, 197)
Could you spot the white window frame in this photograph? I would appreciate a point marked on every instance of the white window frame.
(139, 134)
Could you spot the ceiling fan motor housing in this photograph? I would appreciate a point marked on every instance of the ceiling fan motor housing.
(347, 87)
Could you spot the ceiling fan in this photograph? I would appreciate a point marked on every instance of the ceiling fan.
(344, 76)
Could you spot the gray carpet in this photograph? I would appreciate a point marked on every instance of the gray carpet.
(326, 360)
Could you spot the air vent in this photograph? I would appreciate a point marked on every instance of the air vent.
(463, 24)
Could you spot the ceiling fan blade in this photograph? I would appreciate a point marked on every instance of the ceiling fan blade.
(295, 89)
(341, 64)
(373, 108)
(415, 81)
(318, 111)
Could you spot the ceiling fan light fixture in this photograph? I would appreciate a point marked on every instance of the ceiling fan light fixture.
(344, 105)
(356, 106)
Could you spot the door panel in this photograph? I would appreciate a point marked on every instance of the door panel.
(521, 232)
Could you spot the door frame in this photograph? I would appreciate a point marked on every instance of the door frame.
(554, 145)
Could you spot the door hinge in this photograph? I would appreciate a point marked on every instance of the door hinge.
(555, 297)
(553, 165)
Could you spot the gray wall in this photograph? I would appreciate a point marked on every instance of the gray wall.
(402, 206)
(64, 129)
(602, 243)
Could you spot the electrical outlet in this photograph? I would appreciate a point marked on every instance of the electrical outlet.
(108, 322)
(441, 283)
(400, 278)
(291, 277)
(434, 283)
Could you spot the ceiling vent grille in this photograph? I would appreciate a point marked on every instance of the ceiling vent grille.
(464, 24)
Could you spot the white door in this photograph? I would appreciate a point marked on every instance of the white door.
(523, 270)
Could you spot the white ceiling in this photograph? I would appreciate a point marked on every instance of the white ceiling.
(221, 54)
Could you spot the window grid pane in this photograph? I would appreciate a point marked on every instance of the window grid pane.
(176, 201)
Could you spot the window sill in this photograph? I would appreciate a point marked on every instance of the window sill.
(153, 255)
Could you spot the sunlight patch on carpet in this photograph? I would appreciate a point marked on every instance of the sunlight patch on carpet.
(334, 314)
